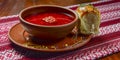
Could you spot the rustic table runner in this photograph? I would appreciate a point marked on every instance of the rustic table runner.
(105, 43)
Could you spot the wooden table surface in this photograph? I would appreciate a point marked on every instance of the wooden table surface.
(13, 7)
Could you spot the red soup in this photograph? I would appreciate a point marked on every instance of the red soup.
(50, 18)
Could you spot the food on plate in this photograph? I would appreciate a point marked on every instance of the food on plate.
(50, 18)
(89, 19)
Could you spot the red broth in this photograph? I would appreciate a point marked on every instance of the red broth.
(50, 18)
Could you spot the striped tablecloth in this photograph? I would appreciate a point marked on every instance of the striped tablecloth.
(105, 43)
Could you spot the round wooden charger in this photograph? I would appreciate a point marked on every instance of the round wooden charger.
(21, 38)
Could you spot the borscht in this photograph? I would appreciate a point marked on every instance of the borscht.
(49, 18)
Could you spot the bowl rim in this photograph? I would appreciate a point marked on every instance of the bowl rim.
(56, 6)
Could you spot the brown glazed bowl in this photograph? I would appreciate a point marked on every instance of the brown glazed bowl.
(47, 32)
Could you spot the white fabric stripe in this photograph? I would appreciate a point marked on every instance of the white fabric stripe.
(109, 29)
(14, 56)
(4, 39)
(6, 17)
(111, 19)
(110, 15)
(13, 22)
(5, 44)
(7, 26)
(109, 7)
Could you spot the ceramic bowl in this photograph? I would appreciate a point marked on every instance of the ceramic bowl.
(47, 32)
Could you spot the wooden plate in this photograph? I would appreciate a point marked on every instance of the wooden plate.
(21, 38)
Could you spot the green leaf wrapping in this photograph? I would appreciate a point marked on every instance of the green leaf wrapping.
(89, 20)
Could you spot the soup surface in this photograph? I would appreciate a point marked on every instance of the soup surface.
(49, 18)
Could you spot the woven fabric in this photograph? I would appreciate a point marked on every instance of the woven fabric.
(105, 43)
